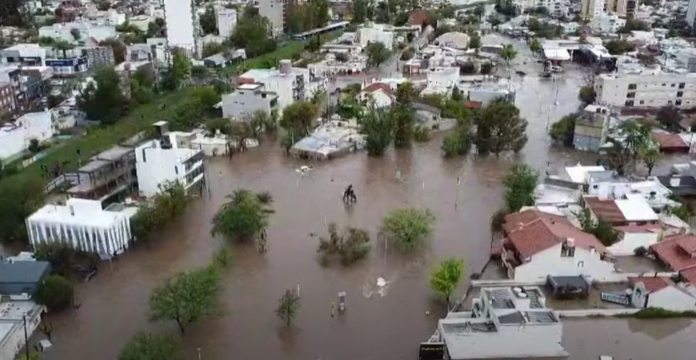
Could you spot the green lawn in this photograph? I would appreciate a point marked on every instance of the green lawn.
(288, 51)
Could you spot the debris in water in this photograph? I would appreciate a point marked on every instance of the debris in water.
(427, 312)
(381, 282)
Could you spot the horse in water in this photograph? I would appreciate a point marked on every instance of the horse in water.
(349, 195)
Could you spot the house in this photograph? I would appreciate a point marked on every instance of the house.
(22, 277)
(632, 237)
(591, 128)
(167, 159)
(670, 143)
(430, 117)
(538, 245)
(216, 61)
(660, 292)
(16, 137)
(632, 209)
(248, 99)
(18, 319)
(24, 55)
(380, 93)
(516, 317)
(107, 175)
(83, 225)
(678, 253)
(579, 174)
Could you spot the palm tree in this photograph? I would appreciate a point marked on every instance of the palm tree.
(446, 277)
(508, 53)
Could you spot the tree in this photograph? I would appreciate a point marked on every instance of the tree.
(187, 297)
(498, 220)
(480, 10)
(409, 227)
(361, 9)
(251, 34)
(618, 47)
(458, 142)
(500, 128)
(535, 45)
(446, 277)
(55, 292)
(508, 53)
(474, 42)
(118, 47)
(213, 48)
(377, 53)
(18, 200)
(350, 246)
(243, 216)
(75, 34)
(208, 22)
(62, 45)
(520, 183)
(634, 25)
(650, 156)
(152, 346)
(168, 204)
(563, 131)
(602, 230)
(104, 100)
(12, 14)
(23, 356)
(179, 71)
(377, 126)
(288, 306)
(299, 117)
(65, 260)
(670, 117)
(587, 95)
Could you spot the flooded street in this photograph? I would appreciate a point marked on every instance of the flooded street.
(390, 327)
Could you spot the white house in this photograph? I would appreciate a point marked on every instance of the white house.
(168, 159)
(380, 93)
(660, 292)
(16, 137)
(579, 174)
(85, 30)
(226, 21)
(372, 33)
(538, 245)
(82, 224)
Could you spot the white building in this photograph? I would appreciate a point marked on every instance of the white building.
(380, 93)
(289, 83)
(691, 13)
(16, 137)
(181, 21)
(538, 245)
(637, 86)
(660, 292)
(246, 100)
(167, 160)
(274, 11)
(607, 23)
(24, 54)
(226, 21)
(376, 33)
(505, 323)
(12, 325)
(83, 225)
(85, 30)
(592, 8)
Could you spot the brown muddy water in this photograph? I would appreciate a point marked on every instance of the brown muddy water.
(385, 326)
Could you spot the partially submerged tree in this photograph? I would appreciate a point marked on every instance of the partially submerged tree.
(587, 94)
(409, 227)
(243, 216)
(670, 117)
(377, 54)
(500, 128)
(288, 307)
(187, 297)
(563, 131)
(349, 246)
(508, 53)
(520, 183)
(152, 346)
(650, 156)
(446, 277)
(299, 118)
(377, 126)
(55, 292)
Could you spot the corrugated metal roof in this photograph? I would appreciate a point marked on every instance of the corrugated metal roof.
(23, 271)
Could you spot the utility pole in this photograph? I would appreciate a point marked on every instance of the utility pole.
(26, 336)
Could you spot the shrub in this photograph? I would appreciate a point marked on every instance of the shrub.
(55, 292)
(350, 246)
(408, 227)
(640, 251)
(421, 134)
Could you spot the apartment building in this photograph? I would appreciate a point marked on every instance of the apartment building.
(248, 99)
(636, 86)
(592, 8)
(7, 102)
(77, 31)
(274, 11)
(226, 21)
(182, 24)
(24, 54)
(607, 23)
(106, 176)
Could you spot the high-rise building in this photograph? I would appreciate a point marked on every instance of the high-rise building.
(226, 21)
(182, 24)
(691, 13)
(274, 11)
(625, 8)
(592, 8)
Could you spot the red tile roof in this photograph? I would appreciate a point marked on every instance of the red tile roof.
(605, 210)
(518, 219)
(379, 86)
(418, 17)
(669, 141)
(473, 104)
(652, 283)
(689, 274)
(647, 228)
(672, 251)
(543, 233)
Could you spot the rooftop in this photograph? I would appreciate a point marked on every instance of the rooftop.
(651, 283)
(78, 212)
(677, 251)
(579, 174)
(23, 271)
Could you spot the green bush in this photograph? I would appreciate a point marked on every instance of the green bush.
(659, 313)
(55, 292)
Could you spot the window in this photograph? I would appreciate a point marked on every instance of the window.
(680, 93)
(678, 103)
(629, 103)
(581, 264)
(567, 250)
(632, 86)
(641, 102)
(664, 84)
(669, 102)
(631, 95)
(672, 85)
(682, 85)
(176, 170)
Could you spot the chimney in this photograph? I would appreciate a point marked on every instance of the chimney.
(570, 242)
(285, 66)
(674, 182)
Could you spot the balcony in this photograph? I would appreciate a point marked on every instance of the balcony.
(509, 261)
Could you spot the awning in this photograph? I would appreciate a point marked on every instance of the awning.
(557, 54)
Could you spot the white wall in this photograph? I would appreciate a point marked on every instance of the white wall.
(652, 90)
(381, 99)
(30, 126)
(226, 21)
(14, 341)
(179, 17)
(155, 166)
(368, 35)
(671, 298)
(631, 241)
(550, 262)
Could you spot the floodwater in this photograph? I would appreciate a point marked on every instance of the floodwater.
(386, 325)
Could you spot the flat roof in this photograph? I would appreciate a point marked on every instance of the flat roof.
(328, 27)
(114, 153)
(93, 165)
(578, 174)
(22, 271)
(636, 208)
(62, 214)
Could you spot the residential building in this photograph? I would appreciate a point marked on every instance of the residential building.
(289, 83)
(505, 323)
(107, 175)
(660, 292)
(83, 225)
(73, 32)
(15, 137)
(607, 23)
(579, 174)
(630, 209)
(591, 128)
(627, 8)
(73, 65)
(691, 13)
(538, 245)
(127, 68)
(7, 98)
(274, 11)
(98, 56)
(248, 99)
(34, 83)
(637, 86)
(592, 8)
(18, 319)
(332, 139)
(182, 21)
(226, 21)
(672, 143)
(169, 158)
(376, 33)
(379, 93)
(678, 253)
(22, 278)
(24, 54)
